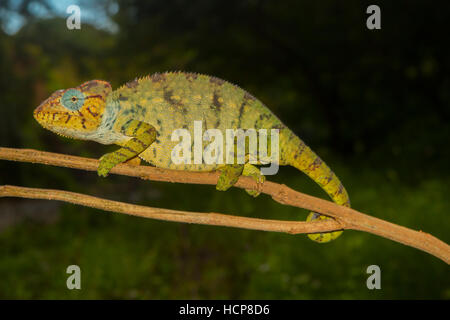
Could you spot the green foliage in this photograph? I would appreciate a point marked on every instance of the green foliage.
(128, 257)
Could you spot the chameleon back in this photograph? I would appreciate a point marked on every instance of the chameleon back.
(171, 101)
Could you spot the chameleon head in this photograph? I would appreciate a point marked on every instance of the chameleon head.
(75, 112)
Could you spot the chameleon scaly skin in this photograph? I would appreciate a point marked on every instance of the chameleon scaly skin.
(141, 116)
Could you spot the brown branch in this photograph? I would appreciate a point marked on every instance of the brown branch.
(346, 218)
(217, 219)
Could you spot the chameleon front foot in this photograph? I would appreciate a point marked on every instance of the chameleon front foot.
(143, 136)
(107, 162)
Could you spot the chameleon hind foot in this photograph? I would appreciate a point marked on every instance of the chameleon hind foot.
(229, 175)
(255, 173)
(321, 237)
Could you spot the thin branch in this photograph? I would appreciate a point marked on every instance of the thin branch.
(217, 219)
(346, 218)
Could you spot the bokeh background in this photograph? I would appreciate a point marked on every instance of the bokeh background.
(373, 104)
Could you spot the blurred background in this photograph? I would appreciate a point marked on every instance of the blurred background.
(374, 104)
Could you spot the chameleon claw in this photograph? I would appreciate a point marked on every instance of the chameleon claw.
(259, 179)
(102, 172)
(253, 193)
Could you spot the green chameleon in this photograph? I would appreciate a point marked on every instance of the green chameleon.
(141, 116)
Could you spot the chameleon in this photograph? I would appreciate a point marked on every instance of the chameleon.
(141, 115)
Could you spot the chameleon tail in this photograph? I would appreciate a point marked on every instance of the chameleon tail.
(297, 154)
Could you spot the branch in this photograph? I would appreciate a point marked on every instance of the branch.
(217, 219)
(345, 218)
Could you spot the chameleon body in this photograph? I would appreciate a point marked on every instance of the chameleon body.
(141, 116)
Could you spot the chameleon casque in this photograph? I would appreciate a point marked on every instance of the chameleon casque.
(141, 115)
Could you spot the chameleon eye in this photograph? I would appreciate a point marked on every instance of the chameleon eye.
(72, 99)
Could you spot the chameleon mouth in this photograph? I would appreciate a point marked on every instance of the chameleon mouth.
(37, 114)
(43, 116)
(41, 112)
(40, 116)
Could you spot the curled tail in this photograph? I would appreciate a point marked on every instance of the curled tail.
(297, 154)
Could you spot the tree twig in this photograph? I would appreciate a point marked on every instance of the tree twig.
(211, 218)
(345, 218)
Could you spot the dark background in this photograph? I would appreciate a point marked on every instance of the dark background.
(374, 104)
